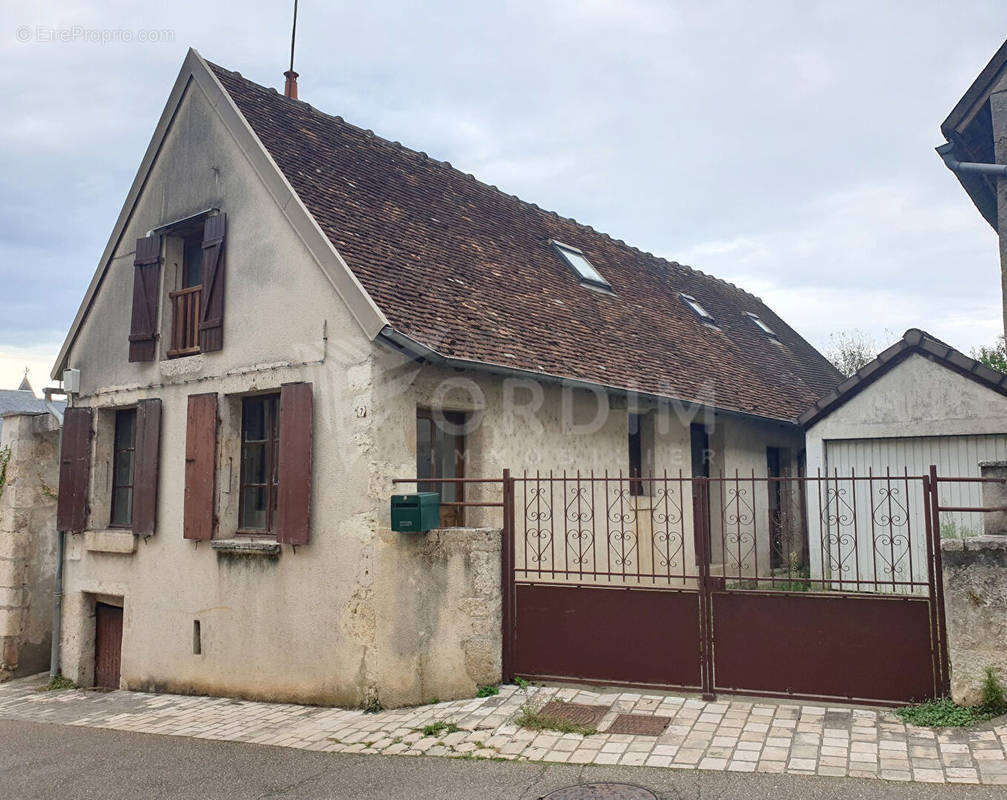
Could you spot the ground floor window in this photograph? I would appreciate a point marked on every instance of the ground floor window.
(124, 448)
(260, 439)
(440, 453)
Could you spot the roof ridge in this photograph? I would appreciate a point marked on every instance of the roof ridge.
(494, 188)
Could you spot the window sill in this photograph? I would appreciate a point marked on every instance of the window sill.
(246, 547)
(114, 540)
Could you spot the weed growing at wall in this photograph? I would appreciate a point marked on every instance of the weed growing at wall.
(993, 693)
(488, 691)
(4, 461)
(944, 713)
(57, 683)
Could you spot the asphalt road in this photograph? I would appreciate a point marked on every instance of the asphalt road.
(57, 762)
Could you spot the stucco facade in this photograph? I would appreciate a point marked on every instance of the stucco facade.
(359, 614)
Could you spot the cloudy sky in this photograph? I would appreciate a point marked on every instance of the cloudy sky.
(785, 146)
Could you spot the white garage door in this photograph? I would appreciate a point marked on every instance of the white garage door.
(954, 456)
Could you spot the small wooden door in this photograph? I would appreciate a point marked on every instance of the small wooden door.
(107, 645)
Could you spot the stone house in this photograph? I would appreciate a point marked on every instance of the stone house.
(290, 313)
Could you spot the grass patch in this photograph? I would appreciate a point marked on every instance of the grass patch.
(945, 713)
(536, 721)
(489, 690)
(57, 684)
(436, 728)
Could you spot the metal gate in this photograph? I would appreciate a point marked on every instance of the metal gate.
(823, 587)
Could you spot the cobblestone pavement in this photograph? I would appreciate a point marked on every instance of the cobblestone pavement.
(733, 735)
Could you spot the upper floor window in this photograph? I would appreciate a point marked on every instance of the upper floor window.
(578, 262)
(260, 443)
(192, 259)
(186, 302)
(124, 447)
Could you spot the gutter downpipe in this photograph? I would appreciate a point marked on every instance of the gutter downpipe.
(419, 351)
(57, 609)
(946, 152)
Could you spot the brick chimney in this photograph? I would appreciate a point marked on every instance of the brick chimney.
(290, 88)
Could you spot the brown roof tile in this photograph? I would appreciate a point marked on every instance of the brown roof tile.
(468, 271)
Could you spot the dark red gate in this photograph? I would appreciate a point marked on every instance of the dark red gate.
(824, 587)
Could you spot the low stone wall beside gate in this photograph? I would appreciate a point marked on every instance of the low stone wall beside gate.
(975, 596)
(975, 593)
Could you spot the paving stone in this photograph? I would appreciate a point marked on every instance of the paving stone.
(735, 736)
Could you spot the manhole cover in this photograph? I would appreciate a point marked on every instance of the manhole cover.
(574, 713)
(601, 791)
(639, 725)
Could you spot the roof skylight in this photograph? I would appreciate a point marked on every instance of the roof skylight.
(697, 308)
(578, 262)
(762, 325)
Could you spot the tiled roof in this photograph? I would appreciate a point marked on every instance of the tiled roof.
(913, 341)
(19, 401)
(468, 271)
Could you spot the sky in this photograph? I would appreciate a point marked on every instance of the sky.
(787, 147)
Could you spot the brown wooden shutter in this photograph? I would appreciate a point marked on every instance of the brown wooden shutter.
(211, 312)
(146, 285)
(145, 466)
(74, 470)
(200, 467)
(294, 491)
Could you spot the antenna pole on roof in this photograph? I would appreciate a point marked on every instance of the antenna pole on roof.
(290, 87)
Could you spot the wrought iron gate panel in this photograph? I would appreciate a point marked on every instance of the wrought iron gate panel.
(792, 586)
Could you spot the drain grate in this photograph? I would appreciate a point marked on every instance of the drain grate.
(574, 713)
(639, 725)
(601, 791)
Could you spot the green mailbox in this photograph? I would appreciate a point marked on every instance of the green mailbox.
(416, 513)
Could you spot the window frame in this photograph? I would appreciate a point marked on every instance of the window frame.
(635, 454)
(186, 233)
(272, 448)
(189, 239)
(115, 486)
(451, 516)
(761, 324)
(698, 309)
(587, 280)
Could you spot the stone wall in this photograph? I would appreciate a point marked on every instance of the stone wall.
(28, 542)
(975, 595)
(437, 608)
